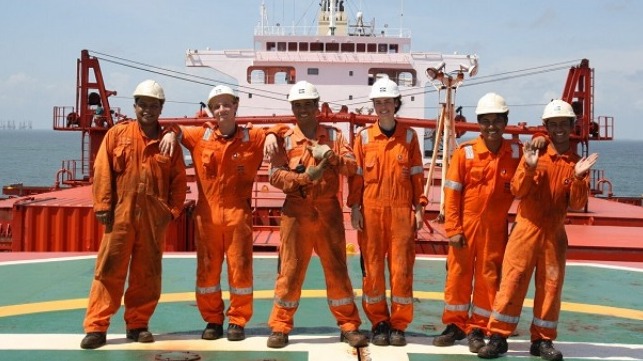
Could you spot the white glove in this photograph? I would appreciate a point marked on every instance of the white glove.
(321, 151)
(315, 172)
(357, 219)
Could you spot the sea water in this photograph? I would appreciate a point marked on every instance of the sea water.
(33, 157)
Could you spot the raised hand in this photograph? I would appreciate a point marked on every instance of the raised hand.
(583, 165)
(530, 154)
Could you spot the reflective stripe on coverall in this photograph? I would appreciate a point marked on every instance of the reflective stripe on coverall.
(312, 219)
(538, 241)
(145, 190)
(389, 182)
(226, 170)
(478, 196)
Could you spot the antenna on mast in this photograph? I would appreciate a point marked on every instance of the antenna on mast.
(401, 17)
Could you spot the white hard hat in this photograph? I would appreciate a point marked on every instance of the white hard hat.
(303, 90)
(491, 103)
(384, 88)
(221, 90)
(558, 108)
(149, 88)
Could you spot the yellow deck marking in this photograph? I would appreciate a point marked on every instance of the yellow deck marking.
(81, 303)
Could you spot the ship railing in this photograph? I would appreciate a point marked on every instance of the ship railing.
(315, 57)
(605, 131)
(65, 117)
(278, 30)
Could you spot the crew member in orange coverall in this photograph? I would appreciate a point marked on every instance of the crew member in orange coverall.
(308, 171)
(387, 207)
(226, 159)
(547, 184)
(137, 192)
(477, 199)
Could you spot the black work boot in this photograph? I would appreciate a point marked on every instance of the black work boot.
(545, 349)
(449, 336)
(93, 340)
(212, 331)
(354, 338)
(380, 336)
(476, 340)
(398, 338)
(140, 335)
(497, 345)
(236, 332)
(277, 340)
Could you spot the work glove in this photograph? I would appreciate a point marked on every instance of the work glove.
(357, 219)
(457, 241)
(104, 217)
(419, 217)
(321, 151)
(582, 166)
(315, 172)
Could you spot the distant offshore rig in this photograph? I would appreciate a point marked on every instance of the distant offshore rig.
(11, 124)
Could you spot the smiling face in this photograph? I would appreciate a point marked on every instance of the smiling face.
(385, 107)
(224, 109)
(305, 110)
(492, 127)
(559, 129)
(147, 110)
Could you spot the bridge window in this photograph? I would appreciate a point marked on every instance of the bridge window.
(348, 47)
(313, 71)
(317, 47)
(332, 47)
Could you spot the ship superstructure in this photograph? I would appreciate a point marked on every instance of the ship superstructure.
(343, 57)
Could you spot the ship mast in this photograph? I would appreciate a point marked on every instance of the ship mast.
(447, 80)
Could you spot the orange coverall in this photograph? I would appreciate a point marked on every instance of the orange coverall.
(538, 241)
(145, 190)
(477, 198)
(312, 219)
(226, 170)
(388, 183)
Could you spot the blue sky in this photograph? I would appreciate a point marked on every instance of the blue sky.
(41, 40)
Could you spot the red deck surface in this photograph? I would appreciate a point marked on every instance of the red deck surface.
(608, 231)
